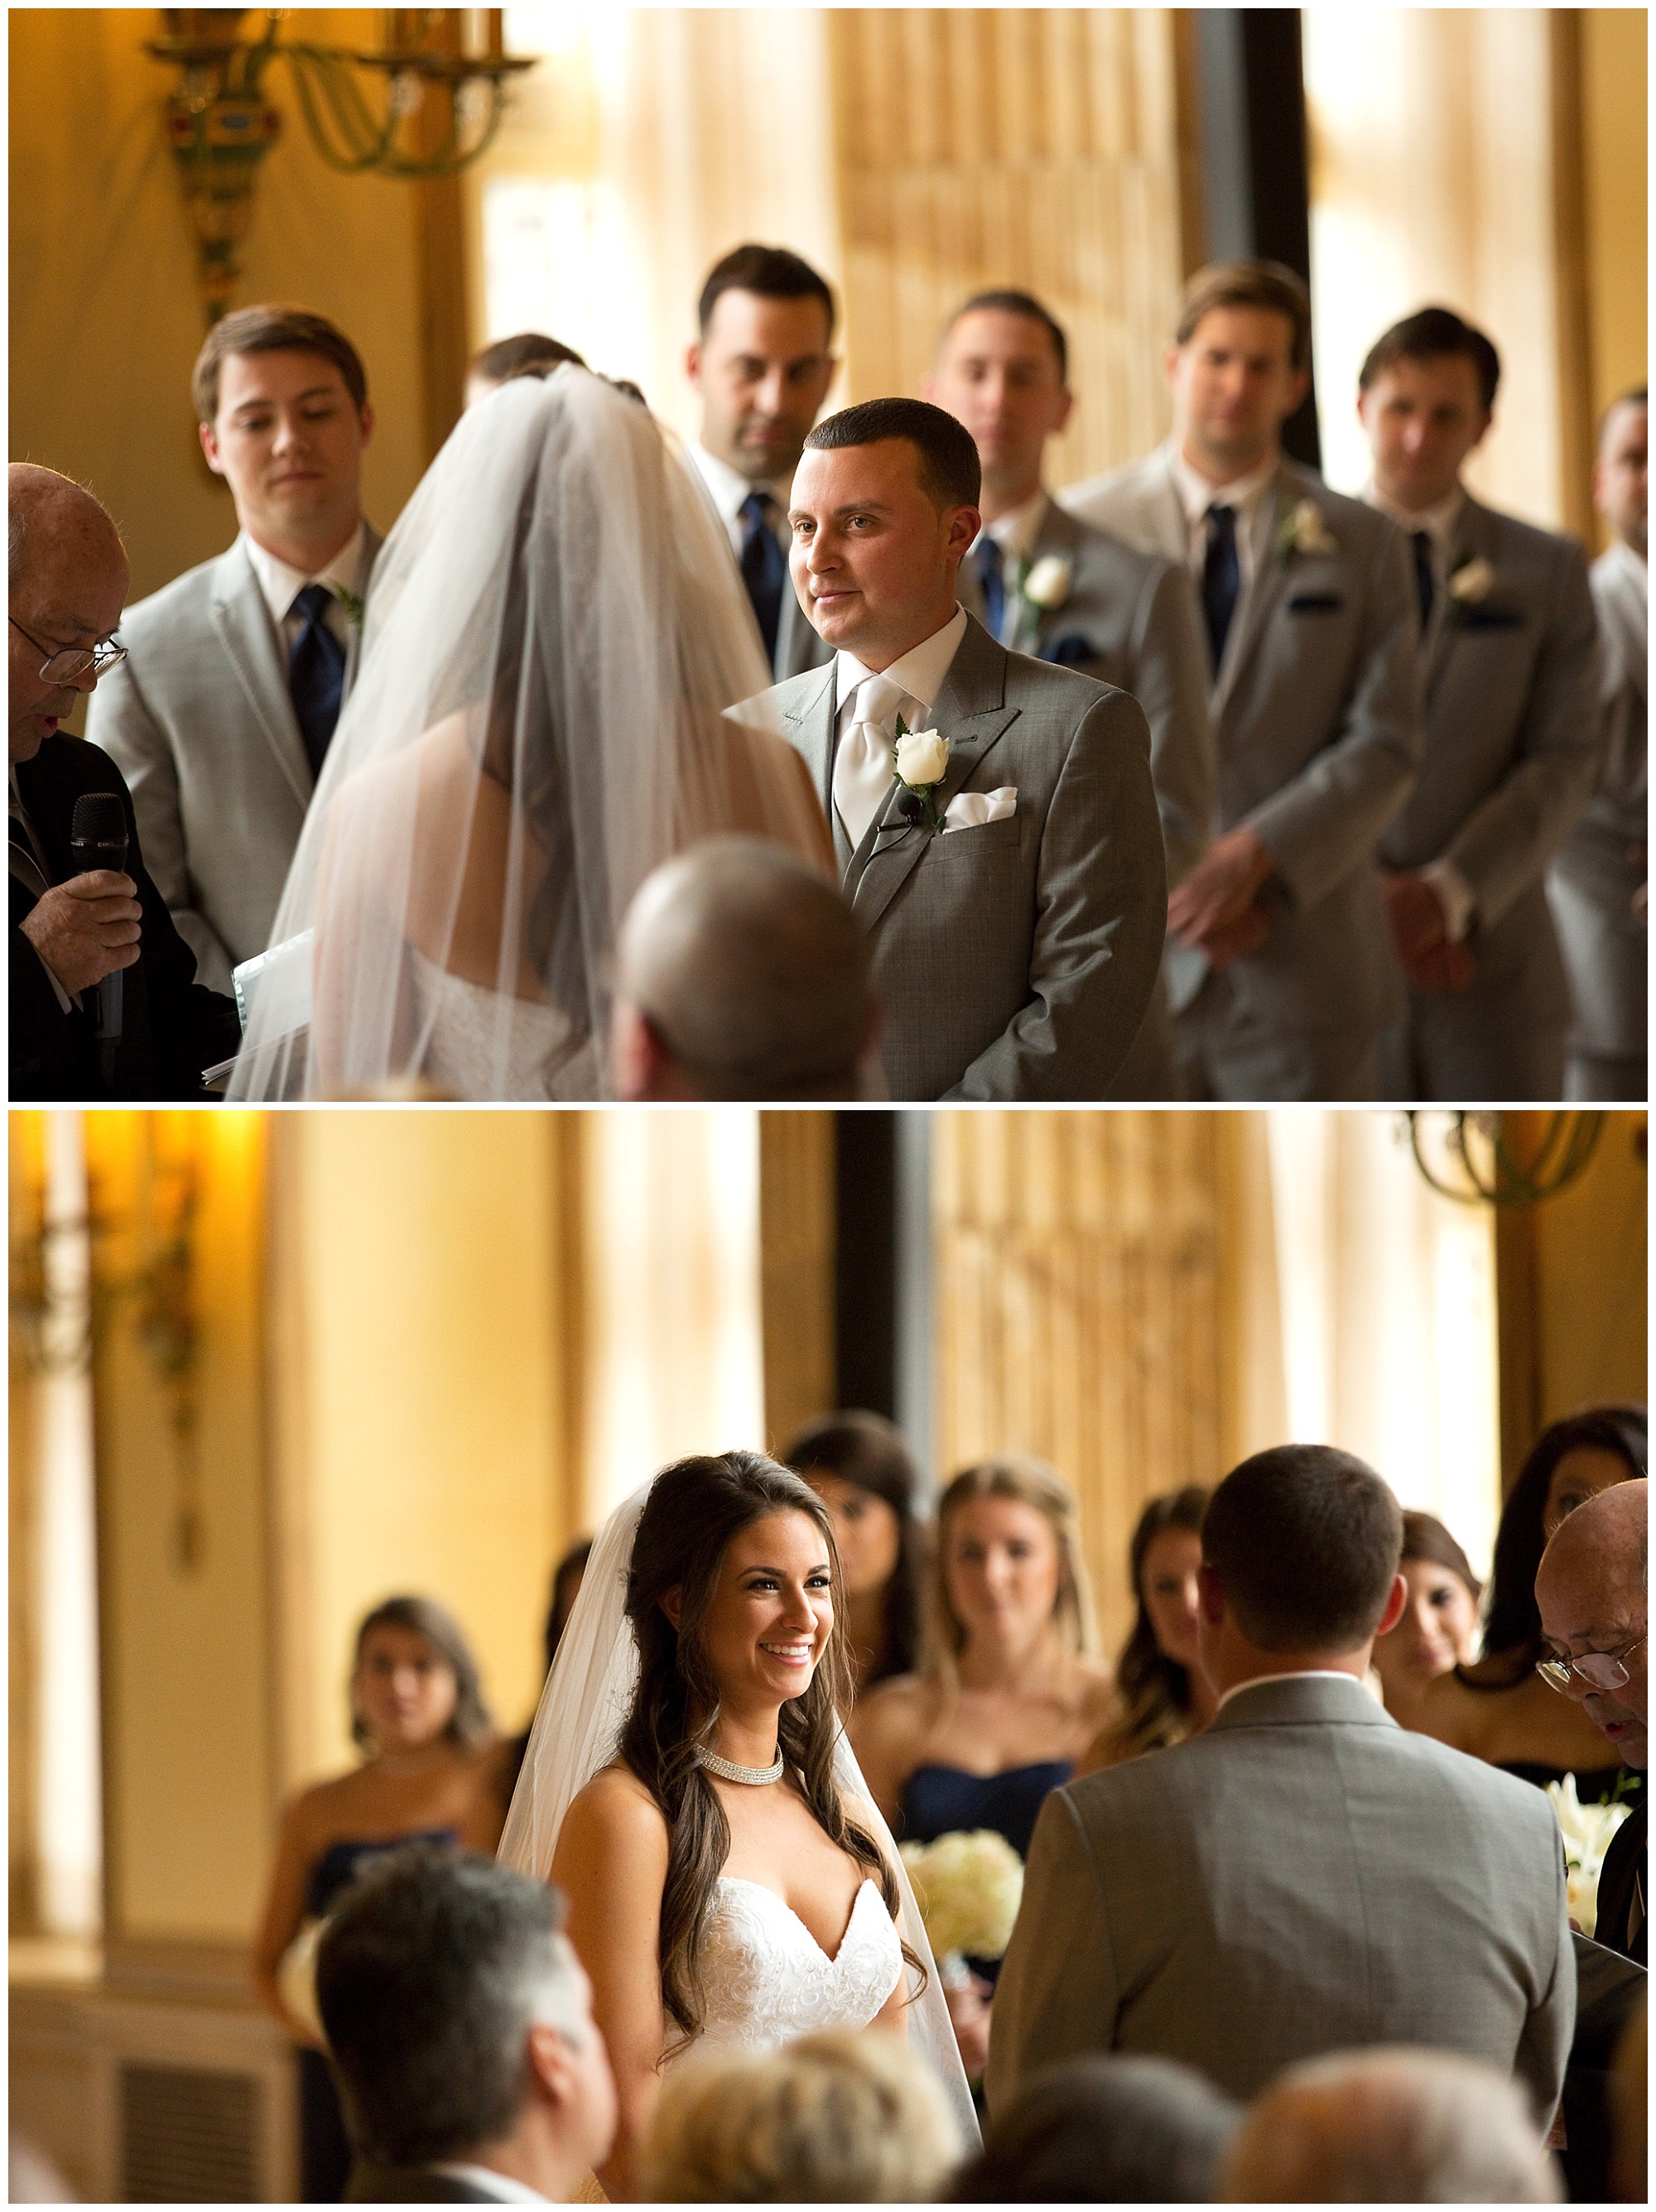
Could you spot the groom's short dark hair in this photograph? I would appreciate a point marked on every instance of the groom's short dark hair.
(1306, 1541)
(771, 272)
(950, 470)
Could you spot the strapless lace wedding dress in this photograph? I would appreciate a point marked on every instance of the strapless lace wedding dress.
(767, 1978)
(481, 1044)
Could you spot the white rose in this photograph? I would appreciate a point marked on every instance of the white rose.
(922, 758)
(1471, 581)
(1047, 585)
(1310, 533)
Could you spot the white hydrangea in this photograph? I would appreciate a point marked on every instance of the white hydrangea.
(968, 1885)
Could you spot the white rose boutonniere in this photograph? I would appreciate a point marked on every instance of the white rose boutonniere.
(1047, 583)
(1304, 531)
(920, 760)
(1471, 583)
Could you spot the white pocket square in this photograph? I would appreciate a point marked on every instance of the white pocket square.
(971, 809)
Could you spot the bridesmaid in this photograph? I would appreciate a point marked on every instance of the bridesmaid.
(1439, 1629)
(1160, 1694)
(1011, 1694)
(430, 1774)
(864, 1474)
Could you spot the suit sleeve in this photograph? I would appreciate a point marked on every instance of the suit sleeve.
(1056, 1996)
(1329, 818)
(1504, 846)
(1101, 913)
(1170, 681)
(119, 719)
(1543, 2048)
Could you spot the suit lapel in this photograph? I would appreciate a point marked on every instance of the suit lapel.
(1473, 535)
(243, 623)
(813, 725)
(1259, 601)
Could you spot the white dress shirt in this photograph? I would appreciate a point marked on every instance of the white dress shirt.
(908, 688)
(1297, 1674)
(280, 586)
(500, 2187)
(728, 488)
(919, 673)
(1196, 494)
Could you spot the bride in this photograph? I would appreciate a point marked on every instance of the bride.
(689, 1788)
(554, 634)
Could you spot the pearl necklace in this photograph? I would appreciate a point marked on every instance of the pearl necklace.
(728, 1770)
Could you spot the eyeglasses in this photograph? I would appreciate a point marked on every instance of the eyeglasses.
(67, 664)
(1593, 1670)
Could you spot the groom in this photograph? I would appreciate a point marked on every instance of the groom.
(1013, 882)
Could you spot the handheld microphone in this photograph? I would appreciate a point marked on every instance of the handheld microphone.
(97, 839)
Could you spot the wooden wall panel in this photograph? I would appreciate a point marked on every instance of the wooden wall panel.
(796, 1261)
(1077, 1308)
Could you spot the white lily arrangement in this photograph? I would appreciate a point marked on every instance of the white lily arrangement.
(1587, 1830)
(1045, 584)
(920, 760)
(968, 1885)
(1302, 529)
(1471, 583)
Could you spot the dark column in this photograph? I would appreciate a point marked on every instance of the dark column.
(1256, 181)
(865, 1260)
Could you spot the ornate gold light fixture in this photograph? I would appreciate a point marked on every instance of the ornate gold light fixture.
(442, 92)
(1493, 1158)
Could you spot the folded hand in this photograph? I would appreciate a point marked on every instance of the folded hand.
(86, 929)
(1219, 889)
(1444, 968)
(1417, 919)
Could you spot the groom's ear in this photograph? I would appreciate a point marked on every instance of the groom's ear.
(673, 1605)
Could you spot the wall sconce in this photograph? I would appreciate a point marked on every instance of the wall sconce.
(1474, 1157)
(444, 91)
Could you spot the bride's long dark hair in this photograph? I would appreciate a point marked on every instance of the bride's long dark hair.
(694, 1509)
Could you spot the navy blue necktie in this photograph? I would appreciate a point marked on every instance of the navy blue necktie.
(1426, 585)
(991, 577)
(316, 673)
(1222, 579)
(764, 569)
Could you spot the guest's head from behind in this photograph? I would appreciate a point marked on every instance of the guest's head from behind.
(1591, 1591)
(526, 353)
(1438, 1630)
(740, 973)
(864, 1475)
(1621, 471)
(1426, 397)
(1002, 370)
(1389, 2126)
(281, 395)
(1239, 365)
(1300, 1553)
(884, 511)
(1112, 2129)
(67, 576)
(1161, 1696)
(1007, 1571)
(763, 359)
(1570, 1462)
(414, 1681)
(459, 2023)
(833, 2117)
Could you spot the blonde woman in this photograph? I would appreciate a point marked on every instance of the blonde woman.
(1011, 1694)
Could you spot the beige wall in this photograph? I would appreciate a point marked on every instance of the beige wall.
(105, 319)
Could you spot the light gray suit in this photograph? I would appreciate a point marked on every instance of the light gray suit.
(1511, 749)
(1316, 719)
(199, 721)
(1306, 1876)
(1598, 868)
(1130, 619)
(1015, 959)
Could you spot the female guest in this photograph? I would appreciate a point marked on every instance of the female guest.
(1500, 1709)
(860, 1468)
(1160, 1695)
(1439, 1629)
(429, 1776)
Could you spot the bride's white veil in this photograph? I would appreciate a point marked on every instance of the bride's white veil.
(578, 1726)
(554, 631)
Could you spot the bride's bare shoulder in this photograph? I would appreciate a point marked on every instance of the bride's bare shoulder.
(614, 1814)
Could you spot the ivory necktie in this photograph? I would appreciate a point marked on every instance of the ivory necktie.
(862, 766)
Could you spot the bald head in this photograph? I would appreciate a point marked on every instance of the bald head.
(1592, 1589)
(1389, 2126)
(68, 576)
(741, 974)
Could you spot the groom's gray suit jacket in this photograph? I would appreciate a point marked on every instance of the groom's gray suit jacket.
(1305, 1877)
(1016, 959)
(199, 721)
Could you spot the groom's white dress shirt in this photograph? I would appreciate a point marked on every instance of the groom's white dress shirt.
(867, 707)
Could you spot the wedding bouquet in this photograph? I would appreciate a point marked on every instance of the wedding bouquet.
(968, 1886)
(1587, 1830)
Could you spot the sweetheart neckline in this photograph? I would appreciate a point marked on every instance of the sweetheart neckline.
(833, 1957)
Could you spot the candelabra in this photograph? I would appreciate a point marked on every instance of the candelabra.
(1482, 1159)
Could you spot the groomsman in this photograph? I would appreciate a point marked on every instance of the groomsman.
(1284, 976)
(1045, 583)
(1509, 661)
(761, 366)
(221, 714)
(1598, 883)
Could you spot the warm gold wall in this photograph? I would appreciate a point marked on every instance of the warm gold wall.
(1591, 1333)
(1615, 134)
(105, 319)
(796, 1259)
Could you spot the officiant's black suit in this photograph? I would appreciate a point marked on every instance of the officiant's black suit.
(171, 1028)
(1620, 1879)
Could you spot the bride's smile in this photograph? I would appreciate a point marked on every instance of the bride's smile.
(767, 1622)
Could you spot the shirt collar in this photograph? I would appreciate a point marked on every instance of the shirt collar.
(728, 487)
(500, 2186)
(1637, 569)
(1437, 521)
(1016, 532)
(920, 672)
(1298, 1675)
(280, 583)
(1197, 494)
